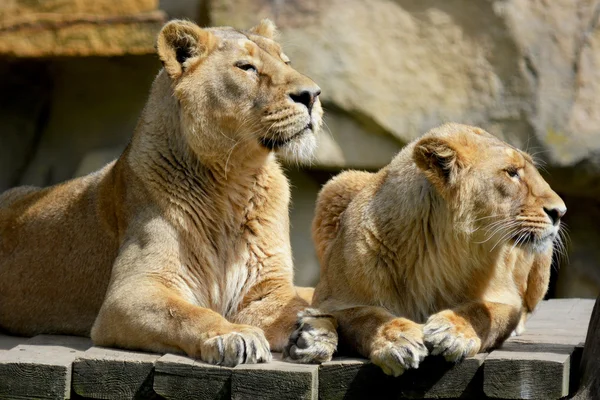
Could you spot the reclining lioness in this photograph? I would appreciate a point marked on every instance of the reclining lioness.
(456, 233)
(182, 244)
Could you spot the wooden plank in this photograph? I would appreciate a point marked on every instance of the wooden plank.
(589, 369)
(40, 368)
(464, 379)
(561, 314)
(180, 377)
(526, 375)
(102, 373)
(546, 338)
(355, 378)
(541, 363)
(350, 378)
(276, 380)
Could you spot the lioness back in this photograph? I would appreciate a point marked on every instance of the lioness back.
(332, 201)
(69, 239)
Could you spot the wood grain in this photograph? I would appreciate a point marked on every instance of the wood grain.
(40, 368)
(102, 373)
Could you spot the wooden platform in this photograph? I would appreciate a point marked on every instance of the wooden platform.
(540, 364)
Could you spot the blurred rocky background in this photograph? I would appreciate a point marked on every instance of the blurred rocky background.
(74, 76)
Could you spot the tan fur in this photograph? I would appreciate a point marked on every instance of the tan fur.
(182, 244)
(447, 247)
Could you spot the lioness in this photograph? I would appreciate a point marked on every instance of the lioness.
(456, 232)
(182, 244)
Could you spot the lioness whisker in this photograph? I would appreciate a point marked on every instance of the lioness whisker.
(522, 234)
(498, 228)
(487, 216)
(510, 232)
(328, 130)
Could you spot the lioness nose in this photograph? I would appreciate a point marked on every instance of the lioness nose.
(306, 96)
(555, 214)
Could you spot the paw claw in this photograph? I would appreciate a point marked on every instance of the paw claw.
(244, 345)
(399, 351)
(314, 340)
(443, 337)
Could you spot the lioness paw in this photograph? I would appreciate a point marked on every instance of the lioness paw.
(399, 347)
(314, 340)
(244, 345)
(449, 335)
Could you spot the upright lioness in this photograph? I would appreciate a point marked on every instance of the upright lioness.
(182, 244)
(456, 232)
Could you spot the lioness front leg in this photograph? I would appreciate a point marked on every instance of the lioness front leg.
(149, 306)
(304, 334)
(150, 316)
(394, 344)
(469, 329)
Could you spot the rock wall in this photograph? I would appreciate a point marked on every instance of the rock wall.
(526, 70)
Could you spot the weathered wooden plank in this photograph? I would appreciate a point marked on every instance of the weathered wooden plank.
(464, 379)
(102, 373)
(548, 339)
(354, 378)
(180, 377)
(40, 368)
(541, 362)
(561, 314)
(276, 380)
(589, 370)
(527, 375)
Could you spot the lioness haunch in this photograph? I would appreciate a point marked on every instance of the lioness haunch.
(182, 244)
(444, 251)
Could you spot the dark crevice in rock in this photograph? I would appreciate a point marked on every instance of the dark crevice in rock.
(364, 120)
(581, 179)
(532, 70)
(40, 126)
(205, 13)
(26, 101)
(585, 37)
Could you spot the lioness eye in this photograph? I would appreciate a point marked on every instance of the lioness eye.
(246, 66)
(513, 172)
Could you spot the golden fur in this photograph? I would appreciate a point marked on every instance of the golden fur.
(182, 244)
(447, 248)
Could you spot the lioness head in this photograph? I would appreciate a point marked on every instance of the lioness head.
(237, 89)
(494, 189)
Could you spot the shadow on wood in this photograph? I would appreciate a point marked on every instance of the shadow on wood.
(589, 387)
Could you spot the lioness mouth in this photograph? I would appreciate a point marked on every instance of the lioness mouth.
(276, 143)
(532, 239)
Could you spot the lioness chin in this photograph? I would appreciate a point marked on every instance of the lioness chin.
(182, 244)
(444, 251)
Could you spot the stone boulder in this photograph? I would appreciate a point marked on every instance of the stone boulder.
(525, 70)
(78, 28)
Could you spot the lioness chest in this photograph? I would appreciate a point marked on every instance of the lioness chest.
(233, 241)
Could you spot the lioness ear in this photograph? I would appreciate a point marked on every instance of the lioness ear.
(179, 41)
(266, 28)
(439, 160)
